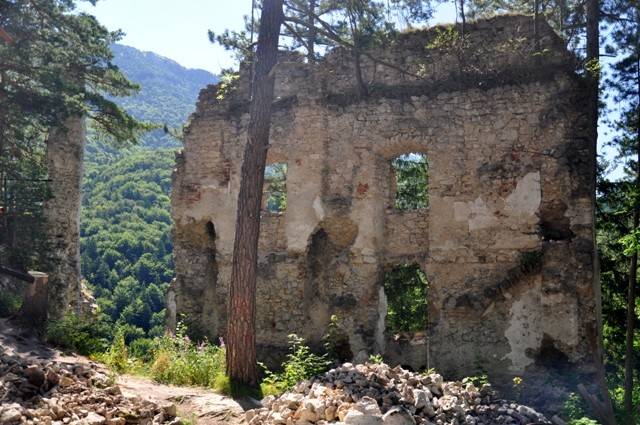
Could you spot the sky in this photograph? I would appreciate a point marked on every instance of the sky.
(178, 29)
(174, 29)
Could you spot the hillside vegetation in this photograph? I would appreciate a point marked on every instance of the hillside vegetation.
(126, 242)
(168, 91)
(126, 223)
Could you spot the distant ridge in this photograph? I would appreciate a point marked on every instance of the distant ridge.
(168, 90)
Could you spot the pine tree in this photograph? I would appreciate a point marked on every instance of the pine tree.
(241, 344)
(624, 82)
(56, 69)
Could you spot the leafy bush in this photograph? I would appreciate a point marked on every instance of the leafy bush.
(83, 335)
(300, 364)
(575, 410)
(10, 303)
(336, 341)
(130, 333)
(616, 392)
(117, 356)
(143, 349)
(178, 360)
(477, 380)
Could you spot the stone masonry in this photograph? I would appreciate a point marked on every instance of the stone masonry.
(507, 239)
(65, 153)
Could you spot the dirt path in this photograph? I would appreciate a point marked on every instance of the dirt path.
(200, 406)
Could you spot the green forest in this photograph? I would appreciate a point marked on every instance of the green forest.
(125, 238)
(136, 104)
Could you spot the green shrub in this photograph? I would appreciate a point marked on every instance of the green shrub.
(178, 360)
(143, 349)
(84, 335)
(616, 392)
(130, 332)
(376, 359)
(10, 303)
(477, 380)
(583, 421)
(300, 364)
(575, 410)
(336, 341)
(117, 356)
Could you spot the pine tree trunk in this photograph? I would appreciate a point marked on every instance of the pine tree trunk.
(462, 17)
(631, 293)
(360, 85)
(311, 32)
(593, 81)
(631, 308)
(241, 343)
(536, 25)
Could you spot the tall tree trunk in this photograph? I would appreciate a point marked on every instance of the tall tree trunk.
(462, 17)
(593, 80)
(355, 52)
(631, 307)
(631, 292)
(536, 25)
(65, 154)
(311, 32)
(241, 341)
(360, 85)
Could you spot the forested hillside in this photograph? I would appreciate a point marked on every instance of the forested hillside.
(126, 223)
(126, 241)
(168, 91)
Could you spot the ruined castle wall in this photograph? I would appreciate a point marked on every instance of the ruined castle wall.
(506, 241)
(64, 156)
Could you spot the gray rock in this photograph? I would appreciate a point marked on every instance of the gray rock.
(93, 419)
(10, 414)
(398, 416)
(420, 398)
(354, 394)
(355, 417)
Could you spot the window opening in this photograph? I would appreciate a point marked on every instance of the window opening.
(406, 289)
(411, 181)
(275, 188)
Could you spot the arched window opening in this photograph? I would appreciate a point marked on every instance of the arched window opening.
(406, 289)
(274, 193)
(411, 173)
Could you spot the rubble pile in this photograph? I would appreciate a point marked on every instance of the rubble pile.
(54, 393)
(370, 394)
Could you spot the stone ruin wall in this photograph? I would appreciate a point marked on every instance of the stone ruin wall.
(506, 242)
(64, 157)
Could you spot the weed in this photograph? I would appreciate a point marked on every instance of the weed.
(76, 333)
(10, 303)
(376, 359)
(300, 364)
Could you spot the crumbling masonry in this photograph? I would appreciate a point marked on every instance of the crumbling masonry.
(506, 242)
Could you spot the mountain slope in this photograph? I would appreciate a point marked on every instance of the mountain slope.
(168, 90)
